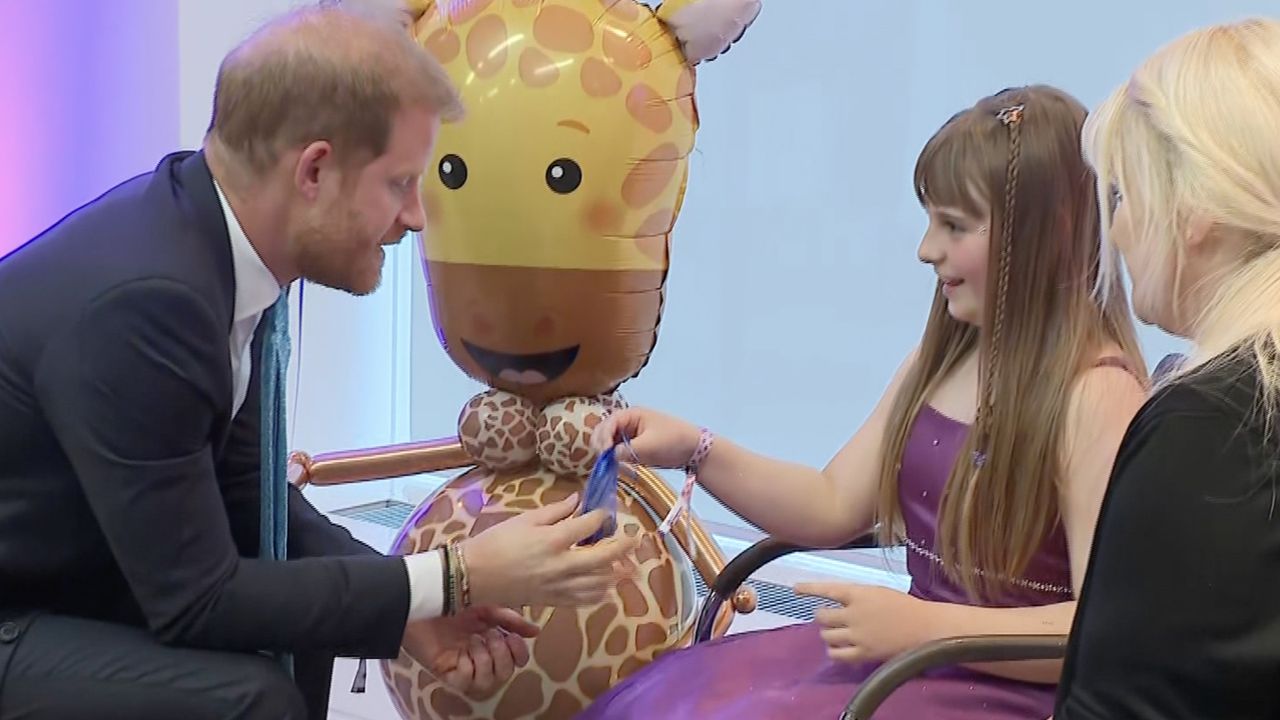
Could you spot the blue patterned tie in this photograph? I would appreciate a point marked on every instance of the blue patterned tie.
(273, 527)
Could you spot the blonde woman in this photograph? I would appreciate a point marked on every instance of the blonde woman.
(1180, 617)
(988, 454)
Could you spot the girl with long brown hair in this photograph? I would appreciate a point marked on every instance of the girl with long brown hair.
(987, 455)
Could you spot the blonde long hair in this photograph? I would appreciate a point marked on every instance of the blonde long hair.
(1016, 154)
(1194, 135)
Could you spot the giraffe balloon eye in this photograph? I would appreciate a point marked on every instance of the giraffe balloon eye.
(453, 172)
(564, 176)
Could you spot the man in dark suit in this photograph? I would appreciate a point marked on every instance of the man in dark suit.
(133, 582)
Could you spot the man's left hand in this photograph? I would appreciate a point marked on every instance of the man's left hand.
(474, 651)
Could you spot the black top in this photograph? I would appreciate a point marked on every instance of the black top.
(1179, 616)
(128, 493)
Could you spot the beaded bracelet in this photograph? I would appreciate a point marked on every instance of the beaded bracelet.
(446, 580)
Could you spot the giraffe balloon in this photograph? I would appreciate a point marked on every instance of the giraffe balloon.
(550, 210)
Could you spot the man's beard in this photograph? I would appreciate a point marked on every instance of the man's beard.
(327, 256)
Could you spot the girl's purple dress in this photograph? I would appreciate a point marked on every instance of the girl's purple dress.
(785, 673)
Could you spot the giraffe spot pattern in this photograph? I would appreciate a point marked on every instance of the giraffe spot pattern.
(617, 642)
(633, 602)
(563, 29)
(649, 635)
(658, 224)
(563, 705)
(629, 666)
(648, 549)
(523, 699)
(559, 646)
(497, 430)
(593, 681)
(404, 688)
(448, 704)
(625, 49)
(488, 519)
(537, 69)
(487, 46)
(598, 79)
(650, 176)
(649, 109)
(651, 236)
(444, 45)
(597, 622)
(662, 583)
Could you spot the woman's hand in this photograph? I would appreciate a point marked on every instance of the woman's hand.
(872, 622)
(658, 440)
(532, 559)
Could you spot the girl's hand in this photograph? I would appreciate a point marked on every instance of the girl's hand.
(658, 440)
(873, 622)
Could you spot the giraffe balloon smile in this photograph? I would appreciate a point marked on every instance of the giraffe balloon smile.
(550, 211)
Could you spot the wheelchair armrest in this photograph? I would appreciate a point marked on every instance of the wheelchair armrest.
(747, 563)
(951, 651)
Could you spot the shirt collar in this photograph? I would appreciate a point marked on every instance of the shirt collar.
(256, 288)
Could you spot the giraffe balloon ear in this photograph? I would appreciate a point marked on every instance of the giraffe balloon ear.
(706, 28)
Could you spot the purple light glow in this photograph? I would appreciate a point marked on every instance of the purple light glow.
(88, 98)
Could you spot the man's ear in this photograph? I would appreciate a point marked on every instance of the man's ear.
(315, 159)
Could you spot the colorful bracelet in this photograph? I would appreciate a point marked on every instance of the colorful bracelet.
(684, 504)
(700, 453)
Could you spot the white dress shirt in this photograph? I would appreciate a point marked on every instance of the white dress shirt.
(256, 290)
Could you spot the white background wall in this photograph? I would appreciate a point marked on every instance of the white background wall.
(798, 234)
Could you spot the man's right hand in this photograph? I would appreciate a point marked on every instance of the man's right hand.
(533, 559)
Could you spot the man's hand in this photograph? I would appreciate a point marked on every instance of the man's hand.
(474, 651)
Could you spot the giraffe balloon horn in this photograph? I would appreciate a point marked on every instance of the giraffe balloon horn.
(706, 28)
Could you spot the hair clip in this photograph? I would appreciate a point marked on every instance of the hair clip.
(1011, 115)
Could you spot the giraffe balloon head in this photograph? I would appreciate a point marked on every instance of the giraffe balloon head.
(550, 205)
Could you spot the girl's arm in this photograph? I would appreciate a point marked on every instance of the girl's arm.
(787, 500)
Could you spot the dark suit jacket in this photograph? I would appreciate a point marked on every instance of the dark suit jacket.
(128, 493)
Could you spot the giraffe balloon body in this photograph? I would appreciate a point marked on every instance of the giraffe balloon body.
(550, 210)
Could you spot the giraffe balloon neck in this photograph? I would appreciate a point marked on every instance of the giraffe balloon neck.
(504, 431)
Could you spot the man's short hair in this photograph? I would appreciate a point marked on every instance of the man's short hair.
(331, 72)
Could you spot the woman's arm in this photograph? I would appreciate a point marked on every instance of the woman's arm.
(1098, 415)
